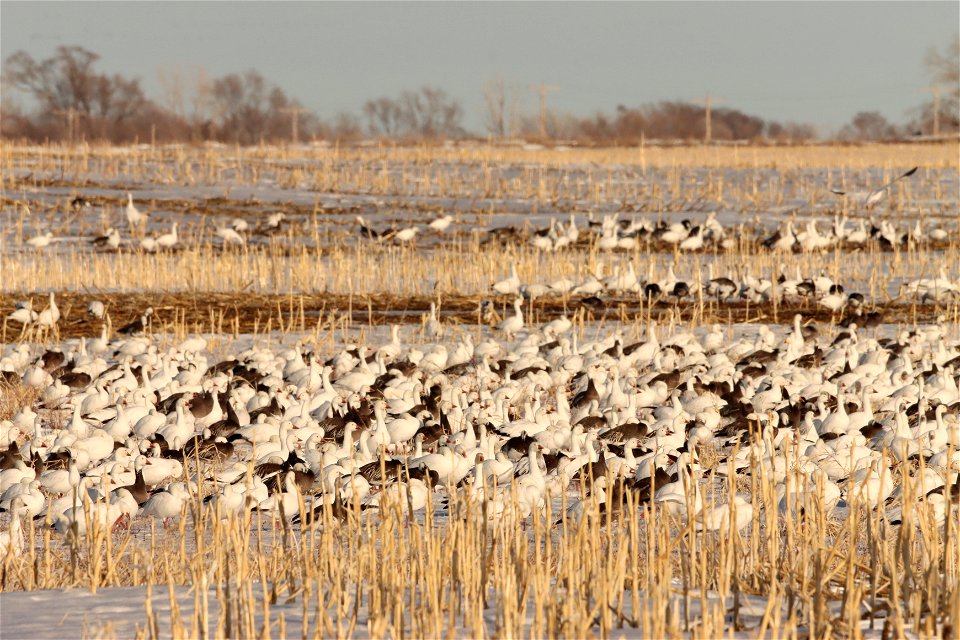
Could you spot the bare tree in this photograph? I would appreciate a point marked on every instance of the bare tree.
(346, 126)
(733, 124)
(67, 86)
(868, 125)
(201, 104)
(495, 98)
(426, 113)
(64, 81)
(171, 81)
(436, 115)
(383, 116)
(790, 131)
(944, 70)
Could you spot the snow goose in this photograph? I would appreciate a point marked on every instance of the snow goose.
(512, 324)
(444, 464)
(869, 199)
(229, 235)
(674, 496)
(231, 500)
(166, 503)
(73, 521)
(694, 241)
(50, 315)
(40, 241)
(134, 216)
(138, 326)
(870, 485)
(406, 235)
(149, 244)
(11, 540)
(24, 313)
(168, 240)
(28, 493)
(532, 487)
(110, 240)
(433, 328)
(441, 224)
(156, 469)
(61, 481)
(275, 221)
(508, 286)
(96, 309)
(409, 496)
(284, 503)
(719, 518)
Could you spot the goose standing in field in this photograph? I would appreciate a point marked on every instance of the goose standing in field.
(274, 221)
(554, 407)
(406, 235)
(137, 326)
(367, 231)
(166, 503)
(508, 286)
(229, 235)
(432, 326)
(135, 218)
(168, 240)
(51, 315)
(24, 313)
(720, 517)
(40, 241)
(441, 224)
(96, 309)
(110, 240)
(869, 199)
(512, 324)
(11, 541)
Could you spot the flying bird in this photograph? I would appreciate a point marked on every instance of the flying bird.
(873, 197)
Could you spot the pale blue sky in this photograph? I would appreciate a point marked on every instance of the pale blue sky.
(817, 62)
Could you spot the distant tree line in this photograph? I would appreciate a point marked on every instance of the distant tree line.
(70, 100)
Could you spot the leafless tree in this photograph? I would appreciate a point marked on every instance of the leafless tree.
(430, 113)
(495, 99)
(66, 88)
(201, 105)
(249, 110)
(944, 70)
(171, 80)
(790, 132)
(427, 113)
(345, 127)
(383, 116)
(868, 125)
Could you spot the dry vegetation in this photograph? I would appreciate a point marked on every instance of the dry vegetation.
(606, 573)
(819, 572)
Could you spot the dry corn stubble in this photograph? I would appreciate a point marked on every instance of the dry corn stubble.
(820, 573)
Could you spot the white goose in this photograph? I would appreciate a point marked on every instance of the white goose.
(134, 216)
(168, 240)
(51, 315)
(40, 241)
(512, 324)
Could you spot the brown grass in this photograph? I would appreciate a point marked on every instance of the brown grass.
(822, 575)
(14, 397)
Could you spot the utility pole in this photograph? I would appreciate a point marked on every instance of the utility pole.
(294, 112)
(543, 90)
(708, 113)
(935, 90)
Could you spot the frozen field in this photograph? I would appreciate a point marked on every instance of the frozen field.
(480, 392)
